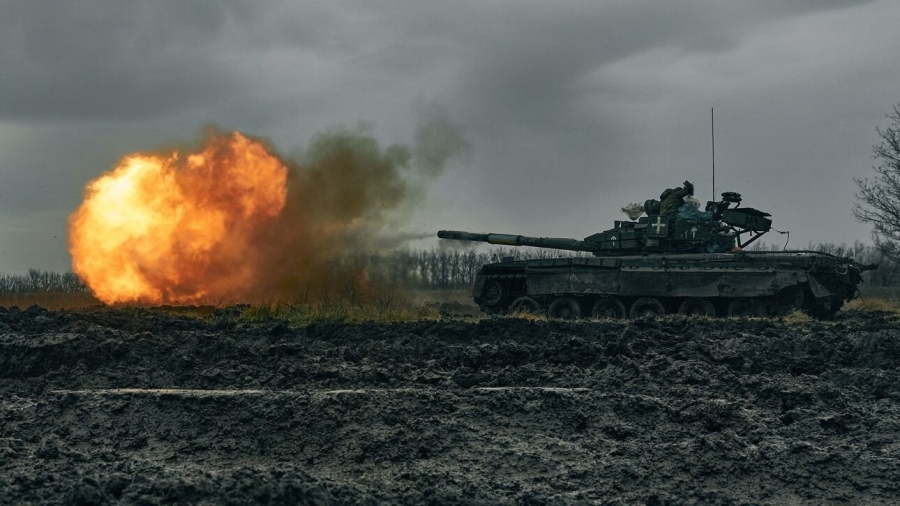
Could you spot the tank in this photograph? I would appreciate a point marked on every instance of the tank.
(689, 262)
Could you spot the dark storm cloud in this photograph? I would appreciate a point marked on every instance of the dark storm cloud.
(86, 60)
(109, 60)
(530, 76)
(523, 61)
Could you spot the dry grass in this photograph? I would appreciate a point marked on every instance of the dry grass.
(525, 315)
(385, 305)
(337, 312)
(877, 299)
(797, 317)
(874, 304)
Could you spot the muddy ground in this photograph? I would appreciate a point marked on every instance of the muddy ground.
(140, 407)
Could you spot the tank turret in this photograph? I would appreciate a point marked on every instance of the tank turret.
(719, 229)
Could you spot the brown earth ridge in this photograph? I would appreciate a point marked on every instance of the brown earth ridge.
(135, 406)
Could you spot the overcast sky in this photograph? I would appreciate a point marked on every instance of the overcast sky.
(572, 109)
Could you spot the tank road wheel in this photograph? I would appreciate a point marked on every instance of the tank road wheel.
(747, 307)
(609, 307)
(492, 294)
(564, 308)
(697, 307)
(525, 305)
(647, 306)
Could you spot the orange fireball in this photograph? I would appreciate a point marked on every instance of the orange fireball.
(178, 228)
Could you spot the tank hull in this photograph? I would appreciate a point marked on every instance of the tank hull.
(721, 284)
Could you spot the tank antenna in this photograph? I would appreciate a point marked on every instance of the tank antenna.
(712, 122)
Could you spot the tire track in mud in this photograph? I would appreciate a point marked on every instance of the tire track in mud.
(136, 406)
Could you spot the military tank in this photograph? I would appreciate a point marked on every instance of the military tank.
(688, 261)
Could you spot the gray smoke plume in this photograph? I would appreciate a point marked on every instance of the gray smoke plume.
(346, 197)
(437, 140)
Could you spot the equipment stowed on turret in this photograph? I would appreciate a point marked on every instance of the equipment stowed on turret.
(689, 261)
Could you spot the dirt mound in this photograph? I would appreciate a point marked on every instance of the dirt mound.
(140, 406)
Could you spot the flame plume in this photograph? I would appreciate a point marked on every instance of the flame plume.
(178, 228)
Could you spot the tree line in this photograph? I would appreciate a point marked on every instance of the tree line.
(36, 281)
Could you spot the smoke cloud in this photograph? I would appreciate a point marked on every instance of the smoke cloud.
(346, 197)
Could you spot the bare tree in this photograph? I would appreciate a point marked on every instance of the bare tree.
(878, 200)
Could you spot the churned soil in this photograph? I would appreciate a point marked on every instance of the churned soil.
(137, 406)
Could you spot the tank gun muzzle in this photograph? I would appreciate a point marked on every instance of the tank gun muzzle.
(462, 236)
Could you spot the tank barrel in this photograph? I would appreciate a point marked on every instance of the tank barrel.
(462, 236)
(517, 240)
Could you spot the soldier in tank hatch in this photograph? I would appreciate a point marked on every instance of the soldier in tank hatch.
(673, 198)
